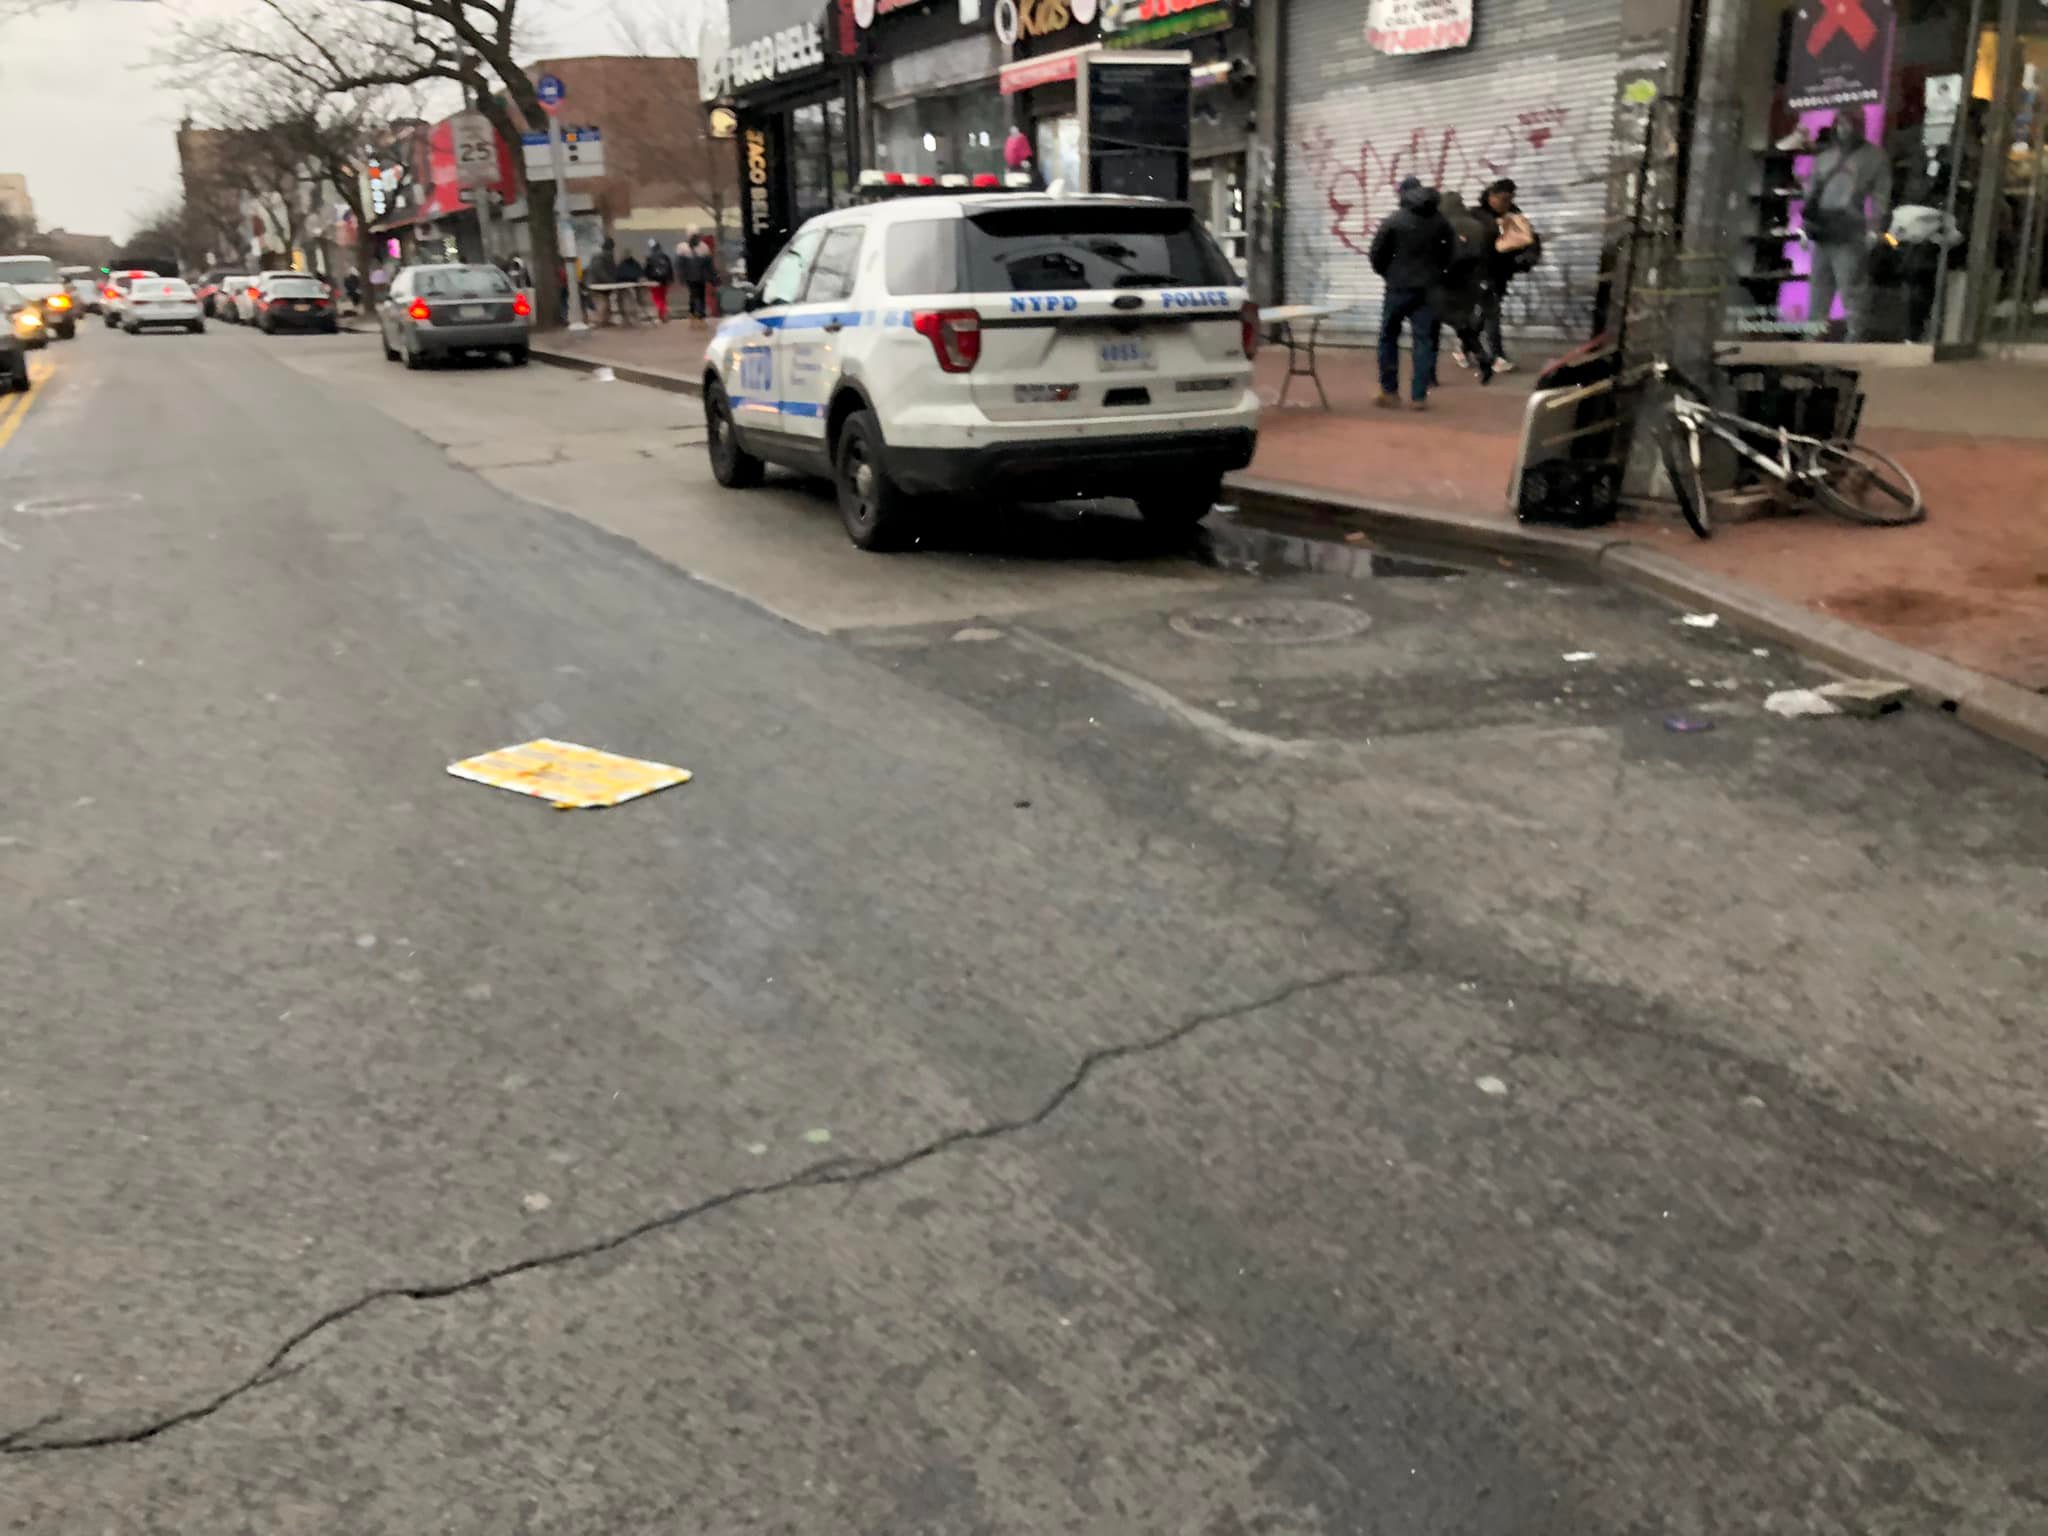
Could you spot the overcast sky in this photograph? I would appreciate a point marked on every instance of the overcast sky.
(92, 124)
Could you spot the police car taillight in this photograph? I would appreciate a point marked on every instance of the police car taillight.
(1251, 329)
(955, 335)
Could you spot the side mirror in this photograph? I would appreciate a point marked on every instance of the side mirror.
(749, 295)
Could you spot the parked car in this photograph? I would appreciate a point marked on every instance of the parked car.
(208, 289)
(247, 310)
(442, 311)
(40, 282)
(161, 302)
(295, 302)
(83, 284)
(114, 296)
(1008, 345)
(224, 290)
(22, 333)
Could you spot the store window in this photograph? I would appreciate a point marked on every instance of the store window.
(1855, 202)
(1059, 151)
(2013, 275)
(818, 158)
(943, 135)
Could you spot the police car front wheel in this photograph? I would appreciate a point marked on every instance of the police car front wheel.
(731, 465)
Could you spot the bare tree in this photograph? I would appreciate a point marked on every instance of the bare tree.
(706, 170)
(394, 45)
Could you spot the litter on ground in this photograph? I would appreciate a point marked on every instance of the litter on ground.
(1795, 703)
(1700, 620)
(1579, 655)
(571, 777)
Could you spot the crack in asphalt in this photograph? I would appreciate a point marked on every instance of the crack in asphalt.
(29, 1441)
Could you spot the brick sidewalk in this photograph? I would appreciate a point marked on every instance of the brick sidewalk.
(1970, 584)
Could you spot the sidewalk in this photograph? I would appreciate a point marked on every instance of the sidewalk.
(1968, 586)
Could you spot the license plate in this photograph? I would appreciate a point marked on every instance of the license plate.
(301, 306)
(472, 312)
(1126, 354)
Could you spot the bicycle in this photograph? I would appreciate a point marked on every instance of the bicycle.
(1849, 479)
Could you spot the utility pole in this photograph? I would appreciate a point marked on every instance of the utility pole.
(552, 93)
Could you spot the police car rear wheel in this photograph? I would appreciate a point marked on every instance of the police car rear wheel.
(874, 508)
(731, 465)
(1183, 506)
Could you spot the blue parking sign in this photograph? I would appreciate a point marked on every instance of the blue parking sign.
(550, 90)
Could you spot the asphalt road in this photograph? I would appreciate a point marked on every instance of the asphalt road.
(1110, 1040)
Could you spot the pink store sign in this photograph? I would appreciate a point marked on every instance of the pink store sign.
(1418, 26)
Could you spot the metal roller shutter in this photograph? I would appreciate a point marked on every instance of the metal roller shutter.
(1531, 98)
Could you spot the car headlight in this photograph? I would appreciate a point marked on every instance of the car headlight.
(59, 301)
(27, 320)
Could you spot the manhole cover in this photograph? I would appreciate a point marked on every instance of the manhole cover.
(64, 506)
(1272, 621)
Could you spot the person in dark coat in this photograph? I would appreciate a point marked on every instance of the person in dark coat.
(632, 301)
(603, 268)
(693, 267)
(1459, 297)
(1411, 251)
(660, 272)
(1506, 259)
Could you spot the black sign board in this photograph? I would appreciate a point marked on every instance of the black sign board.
(1841, 50)
(1138, 117)
(764, 187)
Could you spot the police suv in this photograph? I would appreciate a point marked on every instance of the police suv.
(979, 344)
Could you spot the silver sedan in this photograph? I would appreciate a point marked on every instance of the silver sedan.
(440, 311)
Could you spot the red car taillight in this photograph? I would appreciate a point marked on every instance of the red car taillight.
(1251, 329)
(418, 310)
(955, 335)
(521, 305)
(110, 292)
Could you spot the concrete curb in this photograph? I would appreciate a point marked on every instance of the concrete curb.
(1988, 704)
(652, 378)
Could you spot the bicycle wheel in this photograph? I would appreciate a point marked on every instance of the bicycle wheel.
(1681, 450)
(1864, 486)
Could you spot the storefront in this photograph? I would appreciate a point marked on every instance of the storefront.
(787, 68)
(934, 109)
(1891, 180)
(1460, 95)
(1043, 41)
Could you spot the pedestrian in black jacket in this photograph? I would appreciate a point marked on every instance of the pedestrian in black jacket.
(694, 268)
(660, 272)
(1458, 299)
(1513, 247)
(1411, 251)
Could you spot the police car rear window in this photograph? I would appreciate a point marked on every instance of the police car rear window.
(922, 256)
(1018, 250)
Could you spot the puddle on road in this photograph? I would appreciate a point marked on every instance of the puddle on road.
(1237, 545)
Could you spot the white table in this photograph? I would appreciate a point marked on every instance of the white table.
(1286, 317)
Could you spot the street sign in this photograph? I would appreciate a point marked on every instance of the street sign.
(582, 152)
(551, 91)
(476, 150)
